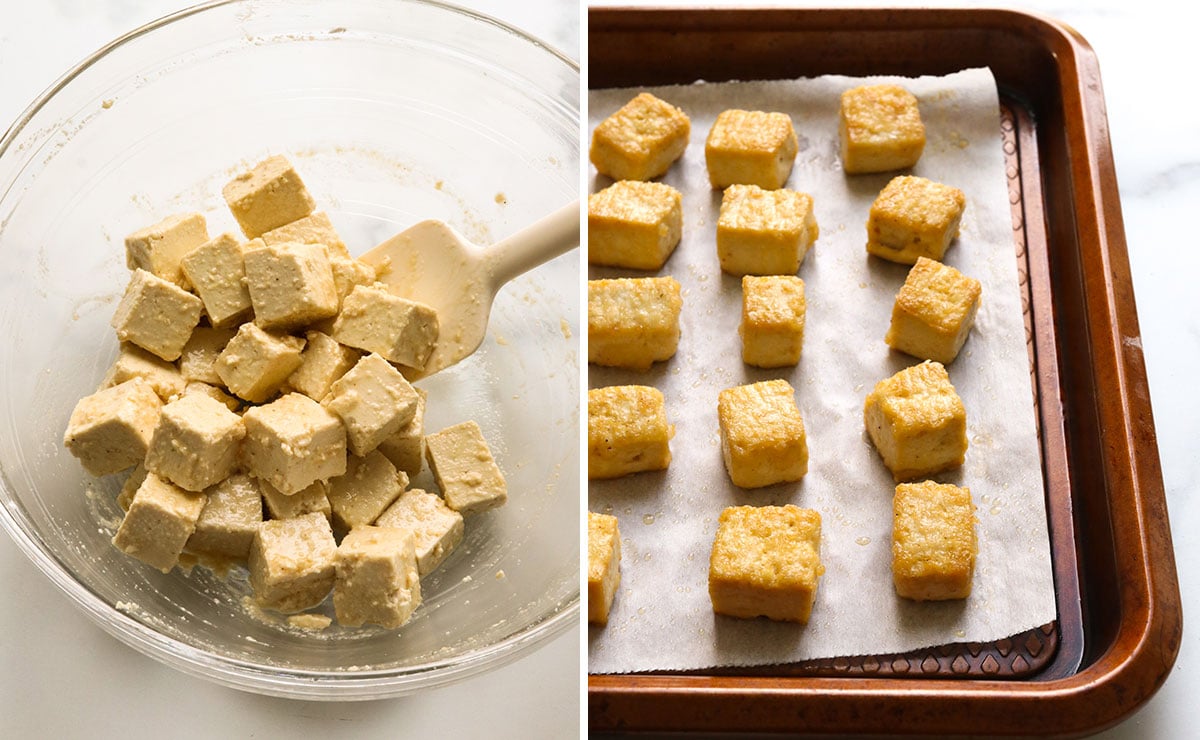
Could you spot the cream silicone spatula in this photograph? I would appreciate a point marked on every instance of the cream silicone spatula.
(432, 264)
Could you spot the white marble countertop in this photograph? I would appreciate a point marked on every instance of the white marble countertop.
(63, 677)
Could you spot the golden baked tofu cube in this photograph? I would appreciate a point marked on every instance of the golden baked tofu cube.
(880, 129)
(914, 217)
(604, 565)
(633, 322)
(765, 562)
(934, 312)
(634, 224)
(750, 148)
(641, 140)
(627, 431)
(268, 196)
(917, 422)
(762, 434)
(933, 541)
(772, 328)
(764, 232)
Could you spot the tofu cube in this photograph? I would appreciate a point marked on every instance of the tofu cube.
(377, 580)
(268, 196)
(160, 248)
(772, 328)
(374, 320)
(214, 393)
(292, 563)
(284, 506)
(633, 322)
(465, 471)
(291, 285)
(293, 442)
(917, 422)
(750, 148)
(323, 361)
(406, 448)
(156, 315)
(914, 217)
(255, 363)
(230, 518)
(217, 271)
(135, 362)
(764, 232)
(437, 529)
(130, 486)
(348, 274)
(369, 486)
(627, 431)
(933, 541)
(373, 400)
(766, 562)
(315, 228)
(198, 362)
(110, 430)
(880, 129)
(641, 140)
(934, 312)
(604, 566)
(161, 518)
(762, 434)
(196, 442)
(634, 224)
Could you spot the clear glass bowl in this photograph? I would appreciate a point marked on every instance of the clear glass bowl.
(393, 111)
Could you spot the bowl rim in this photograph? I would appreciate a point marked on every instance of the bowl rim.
(311, 684)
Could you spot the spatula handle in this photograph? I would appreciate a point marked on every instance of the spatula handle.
(539, 242)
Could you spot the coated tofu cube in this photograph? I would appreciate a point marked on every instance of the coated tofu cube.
(634, 224)
(268, 196)
(323, 361)
(110, 430)
(217, 271)
(349, 274)
(772, 328)
(880, 129)
(377, 580)
(369, 486)
(406, 448)
(156, 315)
(160, 248)
(255, 363)
(196, 442)
(198, 362)
(766, 562)
(373, 400)
(161, 518)
(633, 322)
(374, 320)
(293, 442)
(284, 506)
(914, 217)
(130, 486)
(230, 518)
(135, 362)
(627, 431)
(917, 422)
(464, 469)
(315, 228)
(291, 285)
(437, 529)
(750, 148)
(934, 312)
(214, 393)
(641, 140)
(292, 563)
(764, 232)
(604, 565)
(762, 434)
(933, 541)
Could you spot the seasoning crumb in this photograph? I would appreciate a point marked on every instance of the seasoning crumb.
(501, 198)
(565, 327)
(107, 104)
(500, 575)
(314, 622)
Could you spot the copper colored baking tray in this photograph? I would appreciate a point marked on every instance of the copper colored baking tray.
(1119, 619)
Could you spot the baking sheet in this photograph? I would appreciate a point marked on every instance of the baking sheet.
(662, 617)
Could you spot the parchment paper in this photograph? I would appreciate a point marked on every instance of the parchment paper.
(662, 617)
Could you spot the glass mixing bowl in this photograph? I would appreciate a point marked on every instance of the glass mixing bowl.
(393, 111)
